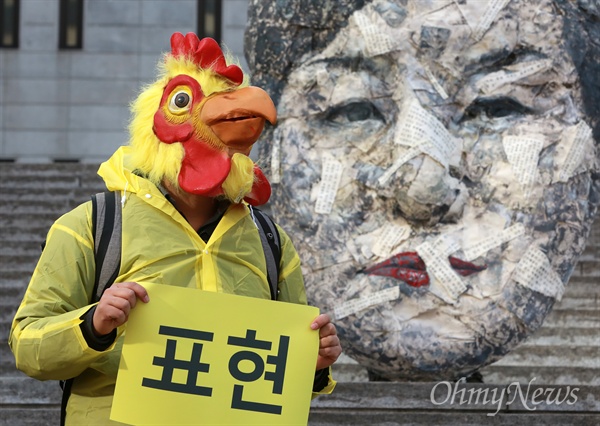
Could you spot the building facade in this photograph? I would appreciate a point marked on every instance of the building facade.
(70, 68)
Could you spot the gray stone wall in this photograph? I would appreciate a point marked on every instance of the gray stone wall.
(73, 105)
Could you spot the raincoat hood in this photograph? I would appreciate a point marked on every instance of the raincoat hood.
(118, 174)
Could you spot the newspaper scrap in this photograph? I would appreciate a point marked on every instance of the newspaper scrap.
(353, 306)
(535, 272)
(377, 41)
(445, 245)
(579, 141)
(489, 16)
(523, 154)
(511, 74)
(276, 156)
(406, 156)
(391, 234)
(331, 175)
(418, 127)
(447, 284)
(435, 83)
(492, 241)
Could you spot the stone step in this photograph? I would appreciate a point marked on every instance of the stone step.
(14, 235)
(24, 251)
(497, 374)
(429, 403)
(54, 205)
(587, 268)
(18, 172)
(16, 414)
(7, 360)
(569, 302)
(563, 337)
(6, 318)
(12, 278)
(573, 360)
(582, 286)
(552, 356)
(566, 338)
(23, 263)
(32, 195)
(572, 319)
(566, 375)
(360, 404)
(20, 389)
(24, 220)
(59, 181)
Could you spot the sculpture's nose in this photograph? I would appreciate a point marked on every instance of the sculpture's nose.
(423, 191)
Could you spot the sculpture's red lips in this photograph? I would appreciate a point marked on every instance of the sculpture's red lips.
(411, 269)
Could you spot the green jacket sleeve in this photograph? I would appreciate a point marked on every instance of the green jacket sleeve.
(46, 338)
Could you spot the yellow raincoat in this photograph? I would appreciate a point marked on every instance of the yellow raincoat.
(159, 246)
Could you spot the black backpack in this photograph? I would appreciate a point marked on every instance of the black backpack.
(106, 228)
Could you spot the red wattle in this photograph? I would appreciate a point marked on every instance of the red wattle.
(261, 189)
(203, 169)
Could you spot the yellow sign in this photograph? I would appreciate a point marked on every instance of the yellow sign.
(192, 357)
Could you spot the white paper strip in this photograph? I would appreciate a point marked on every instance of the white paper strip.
(331, 174)
(419, 128)
(438, 265)
(445, 245)
(535, 272)
(391, 235)
(511, 74)
(406, 156)
(481, 247)
(436, 84)
(276, 158)
(581, 137)
(489, 16)
(355, 305)
(523, 154)
(377, 42)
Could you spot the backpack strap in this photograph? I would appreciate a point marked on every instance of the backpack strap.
(107, 230)
(269, 237)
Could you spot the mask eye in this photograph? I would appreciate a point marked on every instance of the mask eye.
(180, 102)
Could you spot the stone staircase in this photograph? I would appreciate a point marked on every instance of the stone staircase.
(32, 197)
(565, 351)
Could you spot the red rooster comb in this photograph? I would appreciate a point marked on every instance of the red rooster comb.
(205, 53)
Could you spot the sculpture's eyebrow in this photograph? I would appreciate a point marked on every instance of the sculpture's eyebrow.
(352, 64)
(496, 60)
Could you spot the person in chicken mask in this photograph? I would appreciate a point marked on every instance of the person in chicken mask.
(437, 162)
(187, 186)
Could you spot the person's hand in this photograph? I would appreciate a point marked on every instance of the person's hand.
(329, 343)
(115, 304)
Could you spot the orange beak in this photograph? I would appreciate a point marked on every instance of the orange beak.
(238, 118)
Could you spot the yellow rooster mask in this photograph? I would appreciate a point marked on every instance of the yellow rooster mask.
(195, 126)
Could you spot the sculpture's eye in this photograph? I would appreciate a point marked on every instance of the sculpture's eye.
(353, 112)
(180, 102)
(495, 107)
